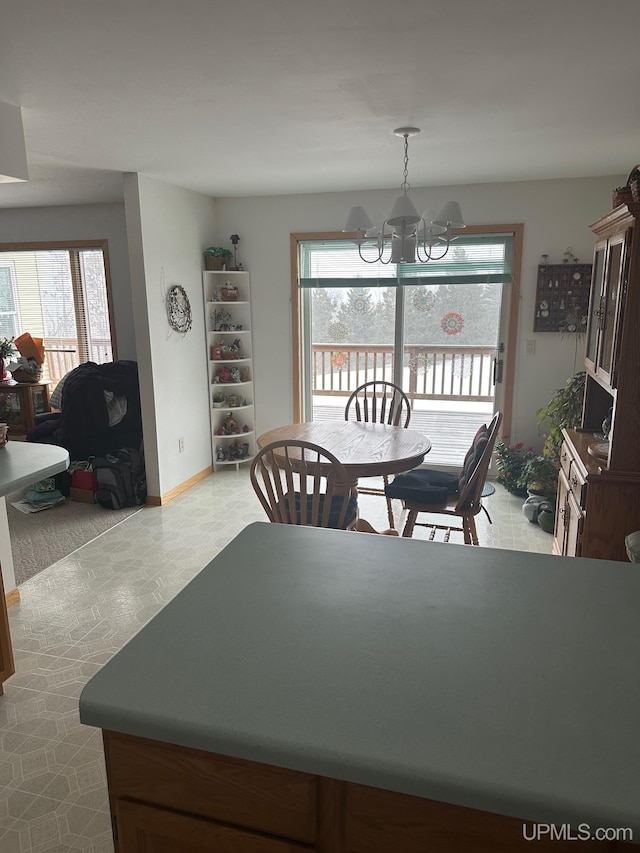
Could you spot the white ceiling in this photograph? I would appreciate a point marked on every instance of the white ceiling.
(263, 97)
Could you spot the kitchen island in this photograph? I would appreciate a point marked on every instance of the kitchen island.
(336, 691)
(21, 464)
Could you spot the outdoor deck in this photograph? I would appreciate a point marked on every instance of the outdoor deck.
(451, 432)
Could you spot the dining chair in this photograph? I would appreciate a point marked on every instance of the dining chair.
(298, 482)
(382, 403)
(442, 493)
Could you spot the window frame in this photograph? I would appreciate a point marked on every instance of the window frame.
(99, 244)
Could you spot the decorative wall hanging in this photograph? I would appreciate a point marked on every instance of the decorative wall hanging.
(562, 297)
(423, 299)
(338, 331)
(360, 302)
(452, 323)
(178, 309)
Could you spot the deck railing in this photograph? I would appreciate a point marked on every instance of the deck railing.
(61, 356)
(462, 373)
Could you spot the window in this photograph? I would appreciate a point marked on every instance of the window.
(59, 293)
(443, 331)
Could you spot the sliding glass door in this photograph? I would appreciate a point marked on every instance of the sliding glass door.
(437, 330)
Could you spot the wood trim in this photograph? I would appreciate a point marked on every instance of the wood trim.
(296, 329)
(12, 597)
(155, 500)
(517, 229)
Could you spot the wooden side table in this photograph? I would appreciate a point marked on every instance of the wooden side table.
(20, 402)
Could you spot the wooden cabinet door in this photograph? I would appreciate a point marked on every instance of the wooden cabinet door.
(595, 305)
(560, 531)
(144, 828)
(573, 521)
(611, 307)
(7, 667)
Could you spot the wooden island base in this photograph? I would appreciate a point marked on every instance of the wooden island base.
(171, 799)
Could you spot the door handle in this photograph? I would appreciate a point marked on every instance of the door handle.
(498, 365)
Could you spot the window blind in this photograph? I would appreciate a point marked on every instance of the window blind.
(471, 259)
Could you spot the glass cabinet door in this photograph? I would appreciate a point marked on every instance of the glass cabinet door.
(611, 306)
(595, 306)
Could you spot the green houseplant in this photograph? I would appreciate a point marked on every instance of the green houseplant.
(563, 411)
(216, 257)
(7, 347)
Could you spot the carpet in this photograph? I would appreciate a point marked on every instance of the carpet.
(40, 539)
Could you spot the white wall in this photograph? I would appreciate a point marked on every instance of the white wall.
(83, 222)
(168, 228)
(556, 214)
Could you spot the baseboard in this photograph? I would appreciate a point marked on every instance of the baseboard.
(155, 500)
(12, 597)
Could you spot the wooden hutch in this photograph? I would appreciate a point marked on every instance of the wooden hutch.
(599, 495)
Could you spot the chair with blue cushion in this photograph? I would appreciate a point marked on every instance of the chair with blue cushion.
(441, 493)
(379, 402)
(298, 482)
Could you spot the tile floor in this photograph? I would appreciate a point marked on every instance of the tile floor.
(76, 614)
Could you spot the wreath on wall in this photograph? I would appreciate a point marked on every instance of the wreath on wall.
(178, 309)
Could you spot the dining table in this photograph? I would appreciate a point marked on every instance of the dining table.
(365, 449)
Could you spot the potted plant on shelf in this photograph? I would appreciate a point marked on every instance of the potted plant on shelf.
(7, 349)
(219, 400)
(216, 257)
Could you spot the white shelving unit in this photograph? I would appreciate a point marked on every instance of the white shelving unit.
(227, 311)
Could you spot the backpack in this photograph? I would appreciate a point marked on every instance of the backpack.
(121, 479)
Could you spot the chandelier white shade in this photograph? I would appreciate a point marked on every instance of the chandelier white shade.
(405, 236)
(13, 154)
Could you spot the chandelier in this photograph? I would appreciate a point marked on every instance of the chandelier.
(405, 236)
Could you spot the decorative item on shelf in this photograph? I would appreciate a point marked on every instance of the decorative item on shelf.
(230, 426)
(568, 256)
(633, 182)
(599, 449)
(216, 258)
(220, 401)
(27, 367)
(221, 453)
(178, 309)
(630, 192)
(408, 237)
(227, 375)
(221, 320)
(216, 352)
(233, 350)
(4, 434)
(606, 424)
(238, 450)
(621, 195)
(228, 292)
(223, 376)
(233, 400)
(235, 239)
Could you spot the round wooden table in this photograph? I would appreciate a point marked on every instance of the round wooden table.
(365, 449)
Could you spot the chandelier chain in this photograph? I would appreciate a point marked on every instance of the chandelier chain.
(405, 186)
